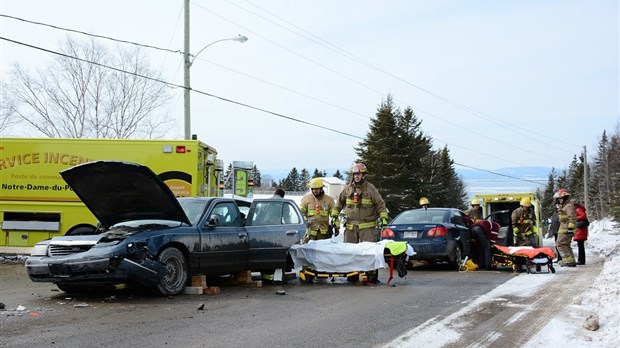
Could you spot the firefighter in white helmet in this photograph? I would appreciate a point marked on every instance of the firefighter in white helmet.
(316, 207)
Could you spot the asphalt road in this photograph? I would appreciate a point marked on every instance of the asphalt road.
(337, 313)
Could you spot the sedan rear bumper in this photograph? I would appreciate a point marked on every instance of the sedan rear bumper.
(439, 249)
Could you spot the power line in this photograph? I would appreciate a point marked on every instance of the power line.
(299, 93)
(364, 85)
(290, 118)
(90, 34)
(352, 56)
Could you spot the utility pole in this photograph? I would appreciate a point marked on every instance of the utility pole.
(585, 177)
(186, 85)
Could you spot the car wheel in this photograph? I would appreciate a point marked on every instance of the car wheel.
(455, 263)
(172, 282)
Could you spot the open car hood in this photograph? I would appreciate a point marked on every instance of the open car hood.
(120, 191)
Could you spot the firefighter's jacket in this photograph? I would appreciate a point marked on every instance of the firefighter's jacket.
(362, 205)
(474, 214)
(316, 210)
(523, 222)
(568, 218)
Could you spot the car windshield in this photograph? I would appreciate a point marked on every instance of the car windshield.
(193, 208)
(418, 216)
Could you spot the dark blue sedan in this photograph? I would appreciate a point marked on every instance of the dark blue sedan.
(436, 234)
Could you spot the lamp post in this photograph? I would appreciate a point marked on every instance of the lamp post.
(187, 65)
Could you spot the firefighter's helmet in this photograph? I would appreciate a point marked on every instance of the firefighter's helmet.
(316, 183)
(561, 193)
(359, 168)
(475, 201)
(424, 201)
(526, 202)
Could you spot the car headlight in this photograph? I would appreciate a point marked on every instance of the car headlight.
(39, 250)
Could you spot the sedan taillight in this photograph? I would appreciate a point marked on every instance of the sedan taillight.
(438, 231)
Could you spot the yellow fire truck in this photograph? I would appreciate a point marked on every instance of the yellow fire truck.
(37, 204)
(501, 205)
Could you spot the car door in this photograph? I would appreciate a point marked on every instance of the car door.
(273, 226)
(223, 241)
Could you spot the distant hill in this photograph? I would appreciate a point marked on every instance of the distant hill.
(479, 182)
(529, 173)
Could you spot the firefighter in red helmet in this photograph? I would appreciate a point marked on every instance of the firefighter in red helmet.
(568, 223)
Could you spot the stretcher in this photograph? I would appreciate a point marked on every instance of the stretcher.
(522, 258)
(324, 259)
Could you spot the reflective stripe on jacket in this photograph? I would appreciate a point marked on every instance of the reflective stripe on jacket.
(523, 221)
(316, 211)
(362, 205)
(567, 218)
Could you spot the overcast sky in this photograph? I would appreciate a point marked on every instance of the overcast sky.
(503, 83)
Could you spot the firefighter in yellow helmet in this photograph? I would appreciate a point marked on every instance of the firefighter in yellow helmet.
(424, 203)
(316, 207)
(523, 223)
(475, 212)
(568, 223)
(363, 208)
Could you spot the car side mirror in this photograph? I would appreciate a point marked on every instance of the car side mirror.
(214, 221)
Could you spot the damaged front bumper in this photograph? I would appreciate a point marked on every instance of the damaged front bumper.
(102, 270)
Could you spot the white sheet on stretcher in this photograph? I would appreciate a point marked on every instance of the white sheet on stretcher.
(329, 256)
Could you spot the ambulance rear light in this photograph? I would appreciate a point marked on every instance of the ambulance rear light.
(181, 149)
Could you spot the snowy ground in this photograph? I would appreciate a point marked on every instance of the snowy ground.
(602, 298)
(575, 298)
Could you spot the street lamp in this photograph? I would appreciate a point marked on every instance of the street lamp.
(187, 65)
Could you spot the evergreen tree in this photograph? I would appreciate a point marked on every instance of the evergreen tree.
(614, 173)
(304, 178)
(452, 192)
(256, 176)
(379, 157)
(600, 190)
(291, 182)
(575, 178)
(317, 173)
(394, 150)
(338, 175)
(547, 200)
(228, 179)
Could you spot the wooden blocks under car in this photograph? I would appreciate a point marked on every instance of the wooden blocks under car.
(199, 287)
(199, 283)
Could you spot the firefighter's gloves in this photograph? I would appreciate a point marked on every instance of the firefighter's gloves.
(383, 223)
(335, 222)
(383, 219)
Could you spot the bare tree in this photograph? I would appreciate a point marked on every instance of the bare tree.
(78, 99)
(8, 117)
